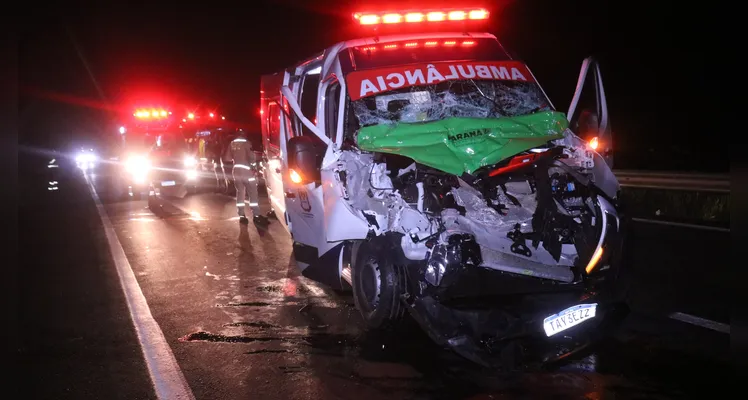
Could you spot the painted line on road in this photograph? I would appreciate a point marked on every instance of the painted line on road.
(702, 322)
(168, 379)
(682, 225)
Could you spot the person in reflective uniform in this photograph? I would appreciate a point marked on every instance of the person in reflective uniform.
(245, 178)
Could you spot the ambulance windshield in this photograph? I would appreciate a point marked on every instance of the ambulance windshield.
(468, 98)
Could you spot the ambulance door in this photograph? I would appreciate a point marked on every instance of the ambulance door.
(272, 137)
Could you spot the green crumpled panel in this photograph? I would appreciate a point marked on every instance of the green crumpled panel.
(457, 145)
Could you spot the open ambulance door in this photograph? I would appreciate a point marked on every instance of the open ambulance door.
(273, 143)
(592, 122)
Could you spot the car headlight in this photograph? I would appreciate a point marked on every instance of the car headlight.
(85, 158)
(137, 165)
(190, 162)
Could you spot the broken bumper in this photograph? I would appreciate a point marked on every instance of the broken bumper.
(500, 323)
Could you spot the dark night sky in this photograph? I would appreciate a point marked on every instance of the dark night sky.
(204, 53)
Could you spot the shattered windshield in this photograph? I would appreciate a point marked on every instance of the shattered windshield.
(460, 98)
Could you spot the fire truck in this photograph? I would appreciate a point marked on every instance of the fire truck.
(423, 167)
(156, 158)
(208, 134)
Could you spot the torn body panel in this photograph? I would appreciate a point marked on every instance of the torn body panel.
(502, 212)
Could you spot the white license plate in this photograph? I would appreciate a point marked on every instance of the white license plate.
(568, 318)
(168, 183)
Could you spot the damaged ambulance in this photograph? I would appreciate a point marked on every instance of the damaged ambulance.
(430, 174)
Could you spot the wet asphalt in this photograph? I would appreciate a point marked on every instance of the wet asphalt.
(243, 324)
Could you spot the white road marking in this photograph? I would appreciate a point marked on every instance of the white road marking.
(682, 225)
(702, 322)
(168, 379)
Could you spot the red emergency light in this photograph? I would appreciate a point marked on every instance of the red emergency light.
(152, 113)
(420, 16)
(417, 44)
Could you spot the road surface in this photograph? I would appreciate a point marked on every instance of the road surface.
(240, 323)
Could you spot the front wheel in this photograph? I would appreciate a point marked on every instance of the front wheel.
(378, 284)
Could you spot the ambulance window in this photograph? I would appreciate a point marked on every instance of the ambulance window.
(308, 102)
(274, 125)
(332, 101)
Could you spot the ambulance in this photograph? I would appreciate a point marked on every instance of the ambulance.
(423, 168)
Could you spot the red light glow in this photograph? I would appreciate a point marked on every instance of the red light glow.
(152, 113)
(429, 16)
(414, 17)
(436, 16)
(392, 18)
(428, 43)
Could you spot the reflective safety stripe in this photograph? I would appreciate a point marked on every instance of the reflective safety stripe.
(241, 166)
(251, 179)
(254, 204)
(239, 140)
(240, 204)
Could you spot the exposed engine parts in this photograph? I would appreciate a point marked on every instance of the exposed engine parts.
(530, 219)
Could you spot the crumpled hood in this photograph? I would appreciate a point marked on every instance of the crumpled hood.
(462, 145)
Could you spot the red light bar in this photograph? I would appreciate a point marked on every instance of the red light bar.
(151, 113)
(428, 43)
(430, 16)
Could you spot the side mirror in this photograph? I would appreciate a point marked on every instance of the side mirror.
(305, 159)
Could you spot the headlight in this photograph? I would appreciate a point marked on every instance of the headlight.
(137, 165)
(190, 162)
(85, 158)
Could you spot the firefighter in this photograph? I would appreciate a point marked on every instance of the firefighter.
(245, 178)
(213, 154)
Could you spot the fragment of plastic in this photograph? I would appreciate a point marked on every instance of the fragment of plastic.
(463, 145)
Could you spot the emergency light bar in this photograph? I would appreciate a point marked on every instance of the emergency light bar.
(417, 44)
(421, 16)
(152, 113)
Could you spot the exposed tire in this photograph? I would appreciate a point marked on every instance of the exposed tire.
(378, 284)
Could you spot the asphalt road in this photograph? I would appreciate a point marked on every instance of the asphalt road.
(241, 323)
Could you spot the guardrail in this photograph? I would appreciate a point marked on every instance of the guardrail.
(719, 183)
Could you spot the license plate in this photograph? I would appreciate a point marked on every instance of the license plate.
(168, 183)
(568, 318)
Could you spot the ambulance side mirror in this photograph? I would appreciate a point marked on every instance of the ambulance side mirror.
(305, 158)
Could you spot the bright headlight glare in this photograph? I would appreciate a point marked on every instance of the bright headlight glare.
(137, 165)
(190, 161)
(85, 158)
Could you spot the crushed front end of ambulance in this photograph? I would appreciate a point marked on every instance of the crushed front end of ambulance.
(494, 225)
(432, 173)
